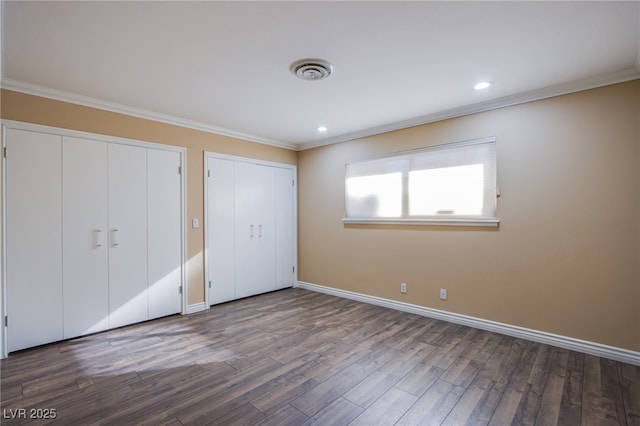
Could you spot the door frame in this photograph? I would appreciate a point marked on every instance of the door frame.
(19, 125)
(209, 154)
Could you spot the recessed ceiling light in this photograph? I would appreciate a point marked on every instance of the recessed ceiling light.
(482, 85)
(322, 129)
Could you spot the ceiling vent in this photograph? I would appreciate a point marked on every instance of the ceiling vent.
(311, 69)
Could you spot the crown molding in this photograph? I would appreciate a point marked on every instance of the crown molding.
(519, 98)
(60, 95)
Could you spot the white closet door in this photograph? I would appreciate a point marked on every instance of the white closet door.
(33, 239)
(220, 230)
(164, 239)
(285, 235)
(85, 245)
(254, 229)
(127, 234)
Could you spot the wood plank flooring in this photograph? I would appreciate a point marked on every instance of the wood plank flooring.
(296, 357)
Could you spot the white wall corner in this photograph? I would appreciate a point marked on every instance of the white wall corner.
(583, 346)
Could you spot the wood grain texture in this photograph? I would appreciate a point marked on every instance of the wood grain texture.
(296, 357)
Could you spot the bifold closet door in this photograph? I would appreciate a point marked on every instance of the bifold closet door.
(85, 238)
(285, 231)
(250, 228)
(164, 239)
(127, 234)
(254, 229)
(33, 239)
(221, 230)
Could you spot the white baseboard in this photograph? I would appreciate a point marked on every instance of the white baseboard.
(591, 348)
(198, 307)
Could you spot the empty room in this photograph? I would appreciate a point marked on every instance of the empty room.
(320, 212)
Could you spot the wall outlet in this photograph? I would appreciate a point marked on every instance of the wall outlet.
(443, 294)
(403, 287)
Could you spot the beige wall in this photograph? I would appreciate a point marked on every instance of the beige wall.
(33, 109)
(566, 256)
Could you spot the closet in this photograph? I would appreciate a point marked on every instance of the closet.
(93, 235)
(250, 222)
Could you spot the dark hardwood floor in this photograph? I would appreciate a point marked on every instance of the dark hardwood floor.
(296, 357)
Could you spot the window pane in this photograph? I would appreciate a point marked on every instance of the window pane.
(450, 182)
(375, 195)
(447, 191)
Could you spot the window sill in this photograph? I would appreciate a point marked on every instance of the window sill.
(430, 222)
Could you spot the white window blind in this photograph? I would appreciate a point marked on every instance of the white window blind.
(449, 184)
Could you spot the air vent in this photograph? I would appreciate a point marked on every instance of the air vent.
(311, 69)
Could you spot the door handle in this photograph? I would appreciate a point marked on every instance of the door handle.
(250, 231)
(97, 238)
(259, 231)
(115, 240)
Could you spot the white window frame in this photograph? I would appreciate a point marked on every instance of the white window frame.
(403, 162)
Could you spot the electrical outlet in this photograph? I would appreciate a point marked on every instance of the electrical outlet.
(443, 294)
(403, 287)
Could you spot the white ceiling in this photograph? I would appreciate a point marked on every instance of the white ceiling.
(224, 66)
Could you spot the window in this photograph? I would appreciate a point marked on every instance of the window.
(445, 184)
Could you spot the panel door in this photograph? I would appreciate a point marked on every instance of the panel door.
(127, 234)
(84, 242)
(285, 232)
(33, 239)
(220, 230)
(165, 234)
(254, 229)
